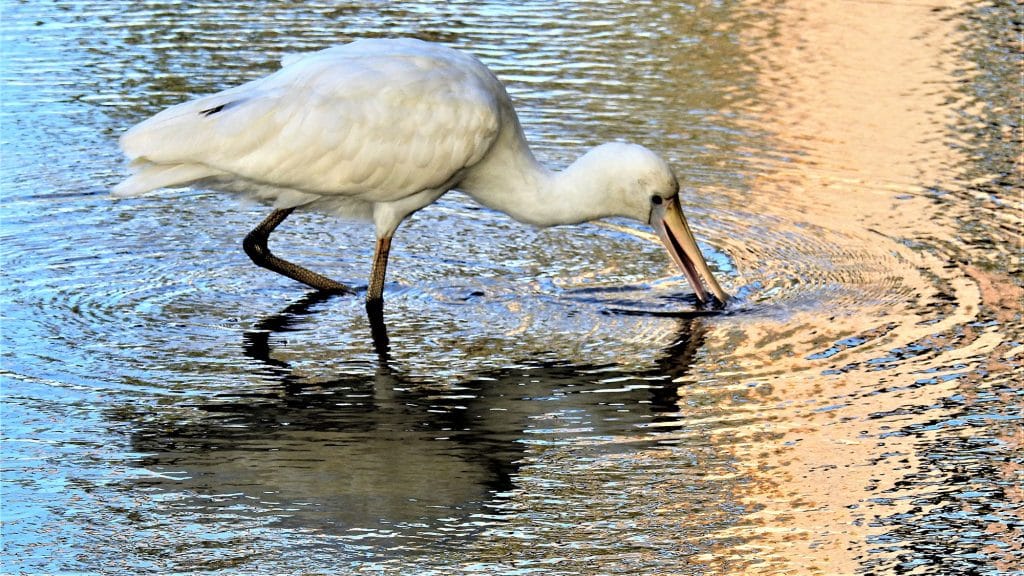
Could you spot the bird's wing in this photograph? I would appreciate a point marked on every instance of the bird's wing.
(377, 124)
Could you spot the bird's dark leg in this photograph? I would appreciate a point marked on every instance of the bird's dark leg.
(375, 291)
(378, 330)
(255, 245)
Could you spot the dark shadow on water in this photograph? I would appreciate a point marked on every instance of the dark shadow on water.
(623, 301)
(370, 448)
(256, 342)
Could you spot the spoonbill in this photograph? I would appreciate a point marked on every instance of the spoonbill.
(378, 129)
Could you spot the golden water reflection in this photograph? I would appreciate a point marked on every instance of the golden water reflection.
(861, 93)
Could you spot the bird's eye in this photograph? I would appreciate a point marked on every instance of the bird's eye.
(656, 200)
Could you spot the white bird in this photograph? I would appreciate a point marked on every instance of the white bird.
(378, 129)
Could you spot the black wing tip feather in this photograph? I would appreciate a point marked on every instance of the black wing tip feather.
(212, 111)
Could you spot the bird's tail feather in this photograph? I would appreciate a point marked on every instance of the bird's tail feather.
(147, 176)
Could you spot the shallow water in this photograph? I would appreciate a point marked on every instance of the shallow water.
(550, 401)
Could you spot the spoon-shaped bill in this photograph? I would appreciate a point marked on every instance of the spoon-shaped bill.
(670, 224)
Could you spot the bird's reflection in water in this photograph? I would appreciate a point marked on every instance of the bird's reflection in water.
(387, 451)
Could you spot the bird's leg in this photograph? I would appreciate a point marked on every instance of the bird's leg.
(378, 330)
(375, 291)
(255, 245)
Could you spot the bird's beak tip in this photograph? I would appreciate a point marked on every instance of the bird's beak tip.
(717, 303)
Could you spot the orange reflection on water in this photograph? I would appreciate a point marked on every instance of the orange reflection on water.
(860, 96)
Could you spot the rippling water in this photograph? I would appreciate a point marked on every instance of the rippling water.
(550, 401)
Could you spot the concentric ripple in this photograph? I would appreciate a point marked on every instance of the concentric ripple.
(800, 265)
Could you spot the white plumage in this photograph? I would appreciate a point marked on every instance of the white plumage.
(378, 129)
(370, 121)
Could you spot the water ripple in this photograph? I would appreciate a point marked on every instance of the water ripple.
(168, 406)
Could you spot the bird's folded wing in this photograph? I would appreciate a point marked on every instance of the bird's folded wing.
(370, 125)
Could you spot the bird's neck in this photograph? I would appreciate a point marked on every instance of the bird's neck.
(520, 186)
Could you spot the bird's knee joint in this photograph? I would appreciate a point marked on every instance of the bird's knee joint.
(255, 245)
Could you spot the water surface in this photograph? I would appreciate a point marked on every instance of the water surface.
(550, 401)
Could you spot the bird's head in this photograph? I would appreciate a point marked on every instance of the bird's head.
(644, 187)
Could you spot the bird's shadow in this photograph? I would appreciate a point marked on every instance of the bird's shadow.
(256, 341)
(368, 449)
